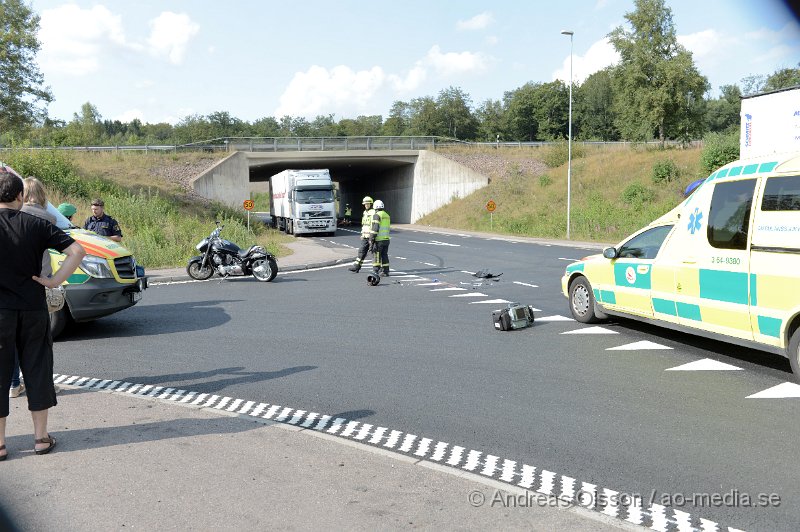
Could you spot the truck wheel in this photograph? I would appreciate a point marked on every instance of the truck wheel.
(289, 228)
(581, 301)
(59, 320)
(794, 354)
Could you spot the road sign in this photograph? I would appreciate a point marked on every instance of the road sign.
(491, 206)
(248, 205)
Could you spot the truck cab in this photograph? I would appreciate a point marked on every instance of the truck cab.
(303, 202)
(107, 281)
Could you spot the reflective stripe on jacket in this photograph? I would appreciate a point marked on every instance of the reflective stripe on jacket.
(380, 225)
(366, 222)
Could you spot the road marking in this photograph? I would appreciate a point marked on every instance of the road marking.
(448, 289)
(568, 260)
(784, 390)
(465, 271)
(435, 283)
(705, 364)
(434, 243)
(526, 284)
(489, 301)
(429, 451)
(591, 330)
(554, 318)
(401, 258)
(428, 264)
(638, 346)
(471, 294)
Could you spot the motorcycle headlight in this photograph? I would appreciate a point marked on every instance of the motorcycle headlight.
(96, 267)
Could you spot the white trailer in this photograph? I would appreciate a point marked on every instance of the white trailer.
(770, 123)
(303, 202)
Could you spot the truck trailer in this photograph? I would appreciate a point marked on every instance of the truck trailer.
(303, 202)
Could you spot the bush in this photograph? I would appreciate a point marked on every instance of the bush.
(719, 149)
(53, 168)
(557, 154)
(637, 194)
(545, 180)
(665, 171)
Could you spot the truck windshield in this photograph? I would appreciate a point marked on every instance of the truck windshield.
(314, 196)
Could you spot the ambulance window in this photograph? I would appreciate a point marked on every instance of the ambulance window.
(782, 194)
(729, 216)
(644, 245)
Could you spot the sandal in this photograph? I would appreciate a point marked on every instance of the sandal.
(3, 448)
(48, 439)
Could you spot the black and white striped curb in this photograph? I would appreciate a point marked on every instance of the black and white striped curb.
(606, 501)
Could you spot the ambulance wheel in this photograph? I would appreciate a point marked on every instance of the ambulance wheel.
(581, 301)
(59, 320)
(794, 354)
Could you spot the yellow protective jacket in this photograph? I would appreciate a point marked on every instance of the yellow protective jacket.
(380, 225)
(366, 222)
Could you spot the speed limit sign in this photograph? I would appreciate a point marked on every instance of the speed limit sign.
(248, 205)
(491, 206)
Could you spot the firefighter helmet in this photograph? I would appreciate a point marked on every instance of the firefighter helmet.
(366, 199)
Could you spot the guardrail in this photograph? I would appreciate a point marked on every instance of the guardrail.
(279, 144)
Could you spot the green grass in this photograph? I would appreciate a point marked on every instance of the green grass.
(159, 222)
(613, 195)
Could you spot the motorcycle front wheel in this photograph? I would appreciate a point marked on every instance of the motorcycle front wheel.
(265, 269)
(196, 271)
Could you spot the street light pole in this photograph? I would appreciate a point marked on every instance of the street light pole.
(569, 134)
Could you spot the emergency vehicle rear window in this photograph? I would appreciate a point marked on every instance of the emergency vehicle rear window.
(729, 216)
(782, 194)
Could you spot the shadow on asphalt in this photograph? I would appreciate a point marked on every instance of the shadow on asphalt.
(148, 320)
(215, 380)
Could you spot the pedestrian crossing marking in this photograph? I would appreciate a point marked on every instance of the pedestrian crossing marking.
(705, 364)
(639, 346)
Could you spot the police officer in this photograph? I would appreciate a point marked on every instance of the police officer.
(366, 226)
(101, 223)
(379, 240)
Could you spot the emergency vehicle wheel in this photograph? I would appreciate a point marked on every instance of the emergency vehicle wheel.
(794, 354)
(58, 321)
(581, 301)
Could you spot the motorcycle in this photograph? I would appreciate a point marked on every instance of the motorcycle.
(226, 258)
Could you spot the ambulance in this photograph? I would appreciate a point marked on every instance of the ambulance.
(107, 281)
(724, 263)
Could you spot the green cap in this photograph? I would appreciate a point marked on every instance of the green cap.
(67, 209)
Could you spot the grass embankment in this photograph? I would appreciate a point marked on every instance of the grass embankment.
(615, 191)
(160, 222)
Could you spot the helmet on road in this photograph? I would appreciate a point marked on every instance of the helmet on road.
(378, 204)
(366, 199)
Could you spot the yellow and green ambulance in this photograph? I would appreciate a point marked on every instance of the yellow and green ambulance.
(725, 263)
(107, 281)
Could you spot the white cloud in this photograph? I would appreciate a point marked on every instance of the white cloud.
(492, 40)
(144, 84)
(451, 63)
(415, 77)
(599, 55)
(129, 115)
(170, 34)
(73, 38)
(321, 91)
(478, 22)
(75, 41)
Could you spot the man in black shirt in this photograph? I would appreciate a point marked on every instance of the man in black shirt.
(24, 321)
(101, 223)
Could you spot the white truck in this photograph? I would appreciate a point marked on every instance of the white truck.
(303, 202)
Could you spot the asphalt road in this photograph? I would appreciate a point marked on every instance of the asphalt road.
(425, 359)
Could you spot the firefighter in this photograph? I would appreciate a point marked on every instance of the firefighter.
(366, 225)
(379, 240)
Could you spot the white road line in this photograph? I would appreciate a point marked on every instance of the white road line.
(429, 264)
(705, 364)
(465, 271)
(435, 243)
(489, 301)
(526, 284)
(401, 258)
(448, 289)
(781, 391)
(639, 346)
(568, 260)
(471, 294)
(591, 330)
(554, 318)
(436, 283)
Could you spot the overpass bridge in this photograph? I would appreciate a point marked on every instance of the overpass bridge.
(404, 172)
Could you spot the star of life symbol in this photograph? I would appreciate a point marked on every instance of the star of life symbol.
(694, 220)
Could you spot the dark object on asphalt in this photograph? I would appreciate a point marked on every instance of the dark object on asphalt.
(373, 280)
(486, 274)
(514, 316)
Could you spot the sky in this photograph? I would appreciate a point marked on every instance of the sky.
(163, 60)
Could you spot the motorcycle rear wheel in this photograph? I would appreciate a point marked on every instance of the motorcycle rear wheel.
(265, 270)
(196, 271)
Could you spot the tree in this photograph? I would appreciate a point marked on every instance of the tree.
(593, 114)
(657, 87)
(21, 83)
(723, 113)
(520, 107)
(783, 78)
(491, 121)
(424, 117)
(399, 117)
(456, 117)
